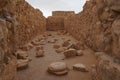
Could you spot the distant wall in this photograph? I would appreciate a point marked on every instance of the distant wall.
(62, 13)
(56, 21)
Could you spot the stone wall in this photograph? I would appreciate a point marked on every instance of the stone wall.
(62, 13)
(56, 21)
(31, 21)
(19, 24)
(98, 27)
(7, 60)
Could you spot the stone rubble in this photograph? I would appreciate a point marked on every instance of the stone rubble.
(39, 53)
(70, 53)
(58, 68)
(80, 67)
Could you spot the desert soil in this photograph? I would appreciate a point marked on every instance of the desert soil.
(37, 69)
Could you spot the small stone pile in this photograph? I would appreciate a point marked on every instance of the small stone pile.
(72, 53)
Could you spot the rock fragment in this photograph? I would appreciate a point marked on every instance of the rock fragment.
(80, 67)
(22, 64)
(58, 68)
(70, 53)
(80, 53)
(40, 53)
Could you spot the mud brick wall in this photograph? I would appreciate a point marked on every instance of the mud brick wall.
(31, 21)
(55, 23)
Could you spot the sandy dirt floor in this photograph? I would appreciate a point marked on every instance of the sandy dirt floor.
(37, 69)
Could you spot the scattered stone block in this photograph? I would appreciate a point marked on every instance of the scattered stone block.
(22, 64)
(58, 68)
(70, 53)
(40, 53)
(39, 48)
(80, 53)
(42, 42)
(74, 46)
(66, 44)
(60, 50)
(30, 46)
(52, 41)
(80, 67)
(21, 54)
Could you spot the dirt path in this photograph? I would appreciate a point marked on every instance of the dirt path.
(38, 66)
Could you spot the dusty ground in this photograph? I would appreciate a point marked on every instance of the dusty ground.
(38, 66)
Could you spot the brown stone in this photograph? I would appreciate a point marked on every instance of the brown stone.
(80, 53)
(70, 53)
(66, 44)
(39, 48)
(21, 54)
(60, 50)
(22, 64)
(80, 67)
(40, 53)
(58, 68)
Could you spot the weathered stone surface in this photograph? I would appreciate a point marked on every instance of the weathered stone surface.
(22, 64)
(8, 71)
(106, 69)
(60, 50)
(80, 53)
(70, 53)
(58, 68)
(52, 41)
(97, 32)
(99, 54)
(55, 23)
(55, 46)
(7, 60)
(40, 53)
(66, 44)
(18, 10)
(80, 67)
(21, 54)
(39, 48)
(17, 27)
(116, 37)
(62, 13)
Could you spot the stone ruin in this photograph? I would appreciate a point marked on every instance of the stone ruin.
(97, 27)
(18, 26)
(56, 21)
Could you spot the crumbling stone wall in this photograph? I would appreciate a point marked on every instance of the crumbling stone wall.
(31, 21)
(62, 13)
(7, 59)
(56, 21)
(19, 24)
(98, 27)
